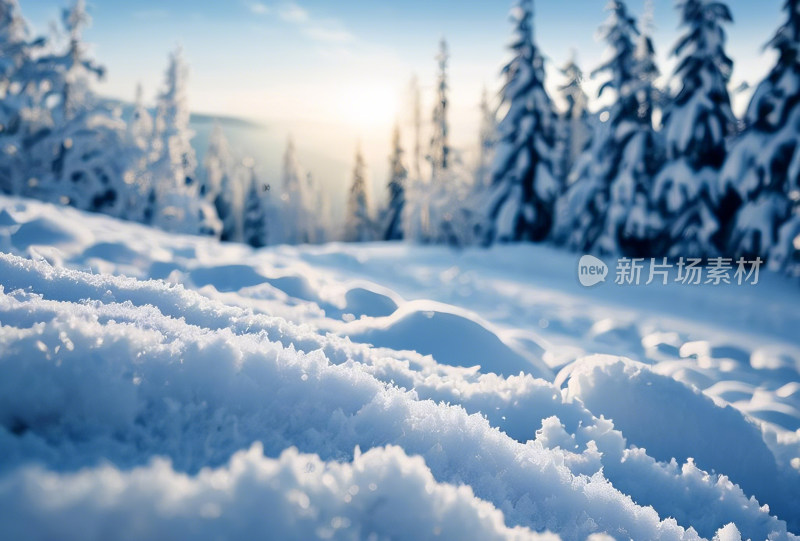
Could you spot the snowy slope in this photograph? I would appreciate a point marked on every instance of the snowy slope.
(157, 386)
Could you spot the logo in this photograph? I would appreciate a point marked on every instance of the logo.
(591, 271)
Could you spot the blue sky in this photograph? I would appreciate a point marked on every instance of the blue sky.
(259, 57)
(336, 72)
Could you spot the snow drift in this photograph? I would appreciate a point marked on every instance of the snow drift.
(142, 408)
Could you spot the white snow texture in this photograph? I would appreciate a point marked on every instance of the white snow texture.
(157, 386)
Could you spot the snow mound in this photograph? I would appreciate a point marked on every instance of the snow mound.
(366, 301)
(131, 401)
(296, 496)
(298, 287)
(421, 325)
(227, 277)
(48, 232)
(119, 253)
(671, 420)
(100, 379)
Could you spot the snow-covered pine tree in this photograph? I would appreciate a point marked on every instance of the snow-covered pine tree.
(574, 131)
(697, 121)
(358, 224)
(13, 39)
(487, 141)
(78, 155)
(416, 128)
(255, 225)
(216, 163)
(416, 212)
(73, 88)
(610, 180)
(632, 225)
(398, 175)
(172, 126)
(646, 70)
(524, 188)
(140, 125)
(439, 151)
(319, 206)
(297, 214)
(136, 154)
(18, 92)
(762, 172)
(220, 186)
(180, 208)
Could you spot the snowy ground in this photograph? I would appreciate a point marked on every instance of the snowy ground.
(383, 391)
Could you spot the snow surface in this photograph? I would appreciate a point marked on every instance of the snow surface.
(163, 386)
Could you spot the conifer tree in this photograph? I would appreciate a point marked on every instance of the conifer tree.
(78, 155)
(574, 131)
(524, 187)
(696, 124)
(297, 198)
(137, 155)
(180, 208)
(219, 184)
(398, 175)
(358, 225)
(255, 215)
(487, 141)
(439, 155)
(18, 93)
(632, 224)
(761, 177)
(613, 176)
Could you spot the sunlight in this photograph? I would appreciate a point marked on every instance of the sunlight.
(367, 105)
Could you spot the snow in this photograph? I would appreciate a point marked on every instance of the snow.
(718, 438)
(420, 326)
(399, 391)
(294, 496)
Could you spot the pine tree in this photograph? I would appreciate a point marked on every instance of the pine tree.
(439, 154)
(632, 225)
(216, 164)
(255, 215)
(613, 176)
(73, 88)
(487, 141)
(78, 155)
(140, 126)
(696, 125)
(18, 93)
(296, 200)
(180, 208)
(761, 177)
(398, 174)
(137, 153)
(523, 184)
(13, 38)
(219, 185)
(646, 69)
(358, 226)
(416, 114)
(172, 126)
(574, 131)
(319, 212)
(416, 212)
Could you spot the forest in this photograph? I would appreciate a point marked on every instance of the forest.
(655, 172)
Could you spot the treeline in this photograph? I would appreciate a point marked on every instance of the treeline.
(60, 142)
(655, 173)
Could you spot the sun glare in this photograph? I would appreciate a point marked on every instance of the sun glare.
(368, 105)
